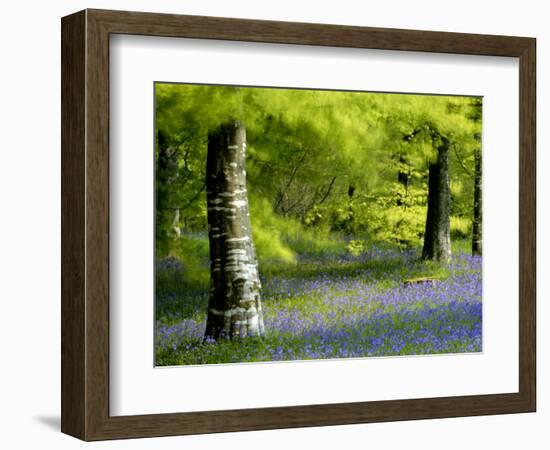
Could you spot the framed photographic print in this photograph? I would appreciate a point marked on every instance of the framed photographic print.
(271, 224)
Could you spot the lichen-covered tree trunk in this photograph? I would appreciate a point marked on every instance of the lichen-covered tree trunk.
(477, 220)
(234, 309)
(437, 237)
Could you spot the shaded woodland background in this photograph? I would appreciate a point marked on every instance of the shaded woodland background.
(318, 162)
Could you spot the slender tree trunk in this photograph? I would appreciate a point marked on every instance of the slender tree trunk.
(167, 174)
(351, 192)
(437, 237)
(477, 221)
(403, 177)
(234, 308)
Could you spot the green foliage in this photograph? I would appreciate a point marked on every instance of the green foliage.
(357, 247)
(461, 227)
(395, 215)
(320, 164)
(269, 231)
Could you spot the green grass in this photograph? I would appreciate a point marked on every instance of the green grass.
(181, 298)
(352, 300)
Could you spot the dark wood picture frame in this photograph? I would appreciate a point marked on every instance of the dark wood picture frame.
(85, 224)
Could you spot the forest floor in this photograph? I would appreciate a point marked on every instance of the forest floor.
(341, 306)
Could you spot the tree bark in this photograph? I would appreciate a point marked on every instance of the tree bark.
(351, 192)
(234, 309)
(477, 220)
(437, 237)
(167, 173)
(404, 178)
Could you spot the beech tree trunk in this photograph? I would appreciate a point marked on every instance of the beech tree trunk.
(437, 237)
(234, 309)
(477, 221)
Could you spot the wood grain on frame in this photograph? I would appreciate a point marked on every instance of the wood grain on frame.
(85, 224)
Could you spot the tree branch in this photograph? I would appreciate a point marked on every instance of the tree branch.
(188, 204)
(460, 161)
(328, 190)
(291, 179)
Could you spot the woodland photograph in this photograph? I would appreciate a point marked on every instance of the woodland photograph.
(302, 224)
